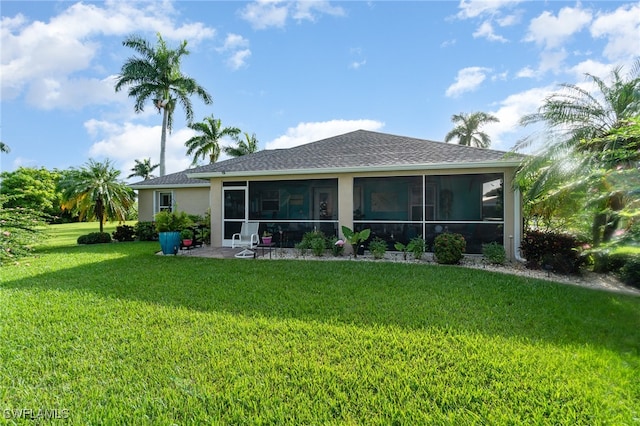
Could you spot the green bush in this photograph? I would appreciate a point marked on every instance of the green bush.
(172, 221)
(146, 231)
(559, 252)
(417, 246)
(318, 246)
(448, 248)
(95, 238)
(494, 253)
(402, 248)
(630, 272)
(124, 233)
(314, 241)
(378, 247)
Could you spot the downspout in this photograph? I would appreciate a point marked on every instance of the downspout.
(517, 221)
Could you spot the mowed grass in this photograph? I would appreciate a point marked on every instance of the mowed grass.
(117, 335)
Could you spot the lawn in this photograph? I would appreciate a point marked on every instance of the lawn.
(115, 334)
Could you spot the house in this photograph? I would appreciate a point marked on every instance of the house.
(399, 187)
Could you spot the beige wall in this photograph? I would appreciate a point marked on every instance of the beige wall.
(190, 200)
(145, 205)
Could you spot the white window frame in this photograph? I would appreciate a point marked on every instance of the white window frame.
(157, 198)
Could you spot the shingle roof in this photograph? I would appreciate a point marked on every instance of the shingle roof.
(360, 149)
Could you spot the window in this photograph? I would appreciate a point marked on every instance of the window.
(164, 202)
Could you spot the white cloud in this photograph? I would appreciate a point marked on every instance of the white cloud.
(128, 142)
(551, 31)
(485, 30)
(239, 59)
(310, 132)
(40, 55)
(264, 14)
(475, 8)
(467, 80)
(506, 133)
(622, 27)
(238, 48)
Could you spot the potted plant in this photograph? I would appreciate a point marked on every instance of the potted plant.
(169, 225)
(266, 237)
(187, 237)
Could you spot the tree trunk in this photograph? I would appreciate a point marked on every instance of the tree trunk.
(100, 214)
(163, 139)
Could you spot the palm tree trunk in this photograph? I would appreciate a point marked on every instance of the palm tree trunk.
(163, 139)
(100, 213)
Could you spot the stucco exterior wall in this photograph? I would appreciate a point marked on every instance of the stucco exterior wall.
(190, 200)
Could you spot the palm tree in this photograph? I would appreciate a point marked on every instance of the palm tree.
(207, 144)
(4, 148)
(244, 147)
(467, 129)
(578, 128)
(143, 169)
(95, 192)
(156, 76)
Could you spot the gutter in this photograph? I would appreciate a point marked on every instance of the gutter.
(517, 220)
(358, 169)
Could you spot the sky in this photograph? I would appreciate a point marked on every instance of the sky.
(294, 72)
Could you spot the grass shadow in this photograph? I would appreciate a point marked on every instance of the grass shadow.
(409, 296)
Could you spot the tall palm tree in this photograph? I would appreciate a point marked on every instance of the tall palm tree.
(467, 129)
(156, 76)
(95, 192)
(143, 169)
(247, 146)
(207, 143)
(4, 148)
(576, 122)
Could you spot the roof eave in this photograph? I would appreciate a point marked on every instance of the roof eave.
(359, 169)
(171, 185)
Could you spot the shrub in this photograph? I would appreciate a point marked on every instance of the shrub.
(558, 252)
(124, 233)
(494, 253)
(94, 238)
(417, 246)
(378, 247)
(146, 231)
(448, 248)
(355, 238)
(630, 272)
(402, 248)
(172, 221)
(314, 241)
(318, 246)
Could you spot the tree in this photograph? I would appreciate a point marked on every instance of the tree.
(4, 148)
(35, 189)
(207, 143)
(467, 129)
(247, 146)
(580, 141)
(22, 228)
(156, 76)
(95, 192)
(143, 169)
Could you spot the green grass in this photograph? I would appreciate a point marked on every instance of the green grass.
(115, 334)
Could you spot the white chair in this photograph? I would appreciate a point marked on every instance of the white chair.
(248, 238)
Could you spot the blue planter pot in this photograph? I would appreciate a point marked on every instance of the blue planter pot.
(169, 242)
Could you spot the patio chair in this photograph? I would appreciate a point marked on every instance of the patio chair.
(248, 238)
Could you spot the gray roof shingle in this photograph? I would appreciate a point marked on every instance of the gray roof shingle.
(359, 149)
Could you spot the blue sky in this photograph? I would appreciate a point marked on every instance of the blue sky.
(294, 72)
